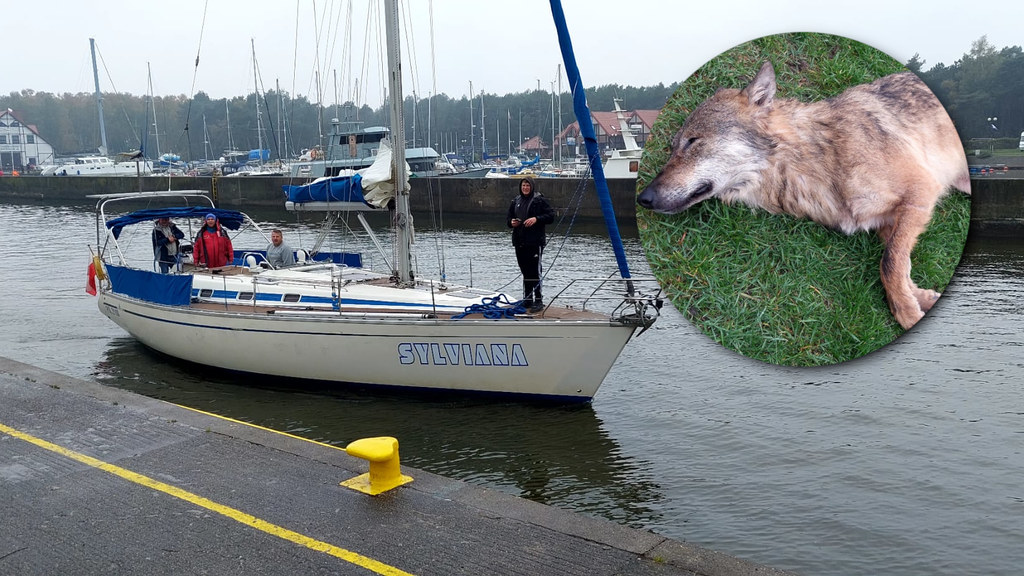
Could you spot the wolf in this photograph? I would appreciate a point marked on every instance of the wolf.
(878, 156)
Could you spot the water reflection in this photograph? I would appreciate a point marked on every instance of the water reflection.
(557, 455)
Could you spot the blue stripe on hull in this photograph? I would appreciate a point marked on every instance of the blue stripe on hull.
(325, 300)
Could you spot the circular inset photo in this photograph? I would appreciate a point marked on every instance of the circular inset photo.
(803, 199)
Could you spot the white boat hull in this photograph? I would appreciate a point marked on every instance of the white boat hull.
(565, 359)
(101, 166)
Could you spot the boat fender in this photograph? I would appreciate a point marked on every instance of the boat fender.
(97, 263)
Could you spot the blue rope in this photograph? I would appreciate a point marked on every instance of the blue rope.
(494, 308)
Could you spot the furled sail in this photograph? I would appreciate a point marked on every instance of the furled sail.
(371, 188)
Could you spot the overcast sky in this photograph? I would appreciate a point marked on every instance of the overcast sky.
(501, 47)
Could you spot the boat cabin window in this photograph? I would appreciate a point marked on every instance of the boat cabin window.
(291, 297)
(245, 295)
(205, 293)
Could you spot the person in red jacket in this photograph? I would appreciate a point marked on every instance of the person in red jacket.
(212, 247)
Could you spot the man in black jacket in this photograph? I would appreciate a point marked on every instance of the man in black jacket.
(528, 214)
(165, 244)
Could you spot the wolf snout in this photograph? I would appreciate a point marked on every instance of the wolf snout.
(668, 198)
(647, 197)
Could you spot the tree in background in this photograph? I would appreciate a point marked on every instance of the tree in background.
(984, 83)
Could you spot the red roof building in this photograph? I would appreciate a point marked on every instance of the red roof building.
(535, 146)
(606, 127)
(21, 147)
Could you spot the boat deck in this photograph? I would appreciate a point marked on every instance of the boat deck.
(549, 313)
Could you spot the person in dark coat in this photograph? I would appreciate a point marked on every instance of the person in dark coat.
(165, 243)
(528, 214)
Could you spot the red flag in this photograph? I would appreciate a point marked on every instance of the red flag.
(90, 284)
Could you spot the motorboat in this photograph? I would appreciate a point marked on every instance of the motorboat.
(623, 162)
(101, 166)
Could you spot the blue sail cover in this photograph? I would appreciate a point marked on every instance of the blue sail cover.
(337, 189)
(583, 117)
(170, 289)
(229, 219)
(259, 155)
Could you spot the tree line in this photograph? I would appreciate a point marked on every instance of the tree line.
(983, 92)
(203, 128)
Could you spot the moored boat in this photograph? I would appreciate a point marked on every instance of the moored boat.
(330, 319)
(101, 166)
(354, 147)
(623, 162)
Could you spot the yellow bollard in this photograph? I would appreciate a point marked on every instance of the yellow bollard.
(382, 454)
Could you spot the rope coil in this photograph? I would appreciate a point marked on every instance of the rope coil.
(494, 308)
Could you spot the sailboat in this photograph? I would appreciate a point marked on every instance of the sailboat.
(132, 164)
(329, 319)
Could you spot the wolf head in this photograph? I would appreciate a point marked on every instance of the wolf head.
(720, 151)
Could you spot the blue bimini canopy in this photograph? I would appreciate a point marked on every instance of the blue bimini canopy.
(337, 189)
(229, 219)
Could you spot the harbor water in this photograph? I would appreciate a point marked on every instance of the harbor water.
(907, 461)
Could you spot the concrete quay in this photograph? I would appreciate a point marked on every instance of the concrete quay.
(96, 480)
(456, 195)
(997, 201)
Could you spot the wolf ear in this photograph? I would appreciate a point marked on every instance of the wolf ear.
(761, 90)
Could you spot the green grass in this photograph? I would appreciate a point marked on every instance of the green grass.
(775, 288)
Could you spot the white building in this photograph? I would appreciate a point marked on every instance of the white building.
(21, 147)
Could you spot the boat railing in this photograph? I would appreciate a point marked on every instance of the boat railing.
(106, 237)
(631, 300)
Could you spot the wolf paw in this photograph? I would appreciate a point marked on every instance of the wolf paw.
(926, 298)
(908, 318)
(906, 309)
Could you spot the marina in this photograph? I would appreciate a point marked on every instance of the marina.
(183, 443)
(905, 461)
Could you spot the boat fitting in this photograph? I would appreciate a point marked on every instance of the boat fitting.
(382, 454)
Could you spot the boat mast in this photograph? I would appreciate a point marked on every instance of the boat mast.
(152, 103)
(559, 129)
(283, 139)
(403, 223)
(207, 153)
(256, 97)
(587, 133)
(227, 116)
(472, 131)
(553, 147)
(99, 98)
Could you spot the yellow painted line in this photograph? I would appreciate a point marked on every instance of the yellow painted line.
(236, 515)
(257, 426)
